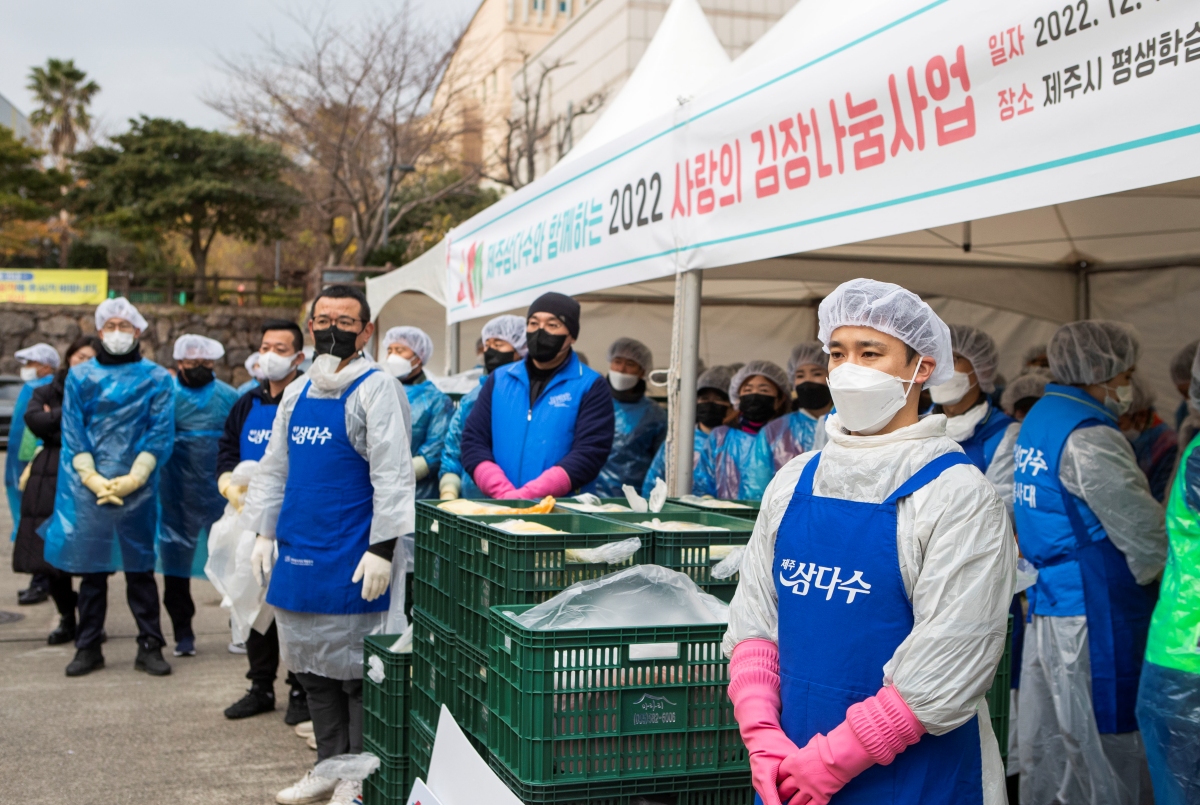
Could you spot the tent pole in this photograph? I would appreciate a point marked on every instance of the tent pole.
(453, 339)
(1083, 304)
(685, 416)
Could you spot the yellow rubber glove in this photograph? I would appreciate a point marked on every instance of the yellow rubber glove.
(223, 483)
(85, 465)
(420, 467)
(23, 481)
(125, 485)
(449, 487)
(232, 492)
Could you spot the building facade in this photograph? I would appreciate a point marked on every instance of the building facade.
(13, 119)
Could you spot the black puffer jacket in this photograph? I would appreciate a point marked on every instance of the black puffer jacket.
(37, 503)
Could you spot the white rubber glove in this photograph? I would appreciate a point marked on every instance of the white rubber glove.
(262, 559)
(85, 465)
(420, 467)
(125, 485)
(450, 487)
(375, 573)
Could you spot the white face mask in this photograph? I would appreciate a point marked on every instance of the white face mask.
(274, 366)
(953, 390)
(28, 374)
(622, 381)
(867, 399)
(398, 367)
(118, 342)
(962, 427)
(1124, 399)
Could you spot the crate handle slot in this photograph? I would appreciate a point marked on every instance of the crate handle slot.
(653, 651)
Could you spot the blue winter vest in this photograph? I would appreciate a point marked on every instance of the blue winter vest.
(982, 444)
(256, 430)
(528, 440)
(1080, 571)
(843, 611)
(324, 526)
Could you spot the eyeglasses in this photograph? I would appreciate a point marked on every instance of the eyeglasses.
(343, 322)
(112, 326)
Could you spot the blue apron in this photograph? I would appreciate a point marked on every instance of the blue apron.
(324, 526)
(981, 446)
(256, 430)
(843, 612)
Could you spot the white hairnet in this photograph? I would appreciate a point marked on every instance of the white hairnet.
(1030, 384)
(507, 328)
(197, 348)
(807, 352)
(1181, 364)
(978, 347)
(119, 308)
(765, 369)
(251, 365)
(888, 308)
(634, 350)
(716, 378)
(414, 338)
(39, 353)
(1085, 352)
(1033, 353)
(1143, 395)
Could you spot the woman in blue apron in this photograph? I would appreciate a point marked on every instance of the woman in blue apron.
(872, 609)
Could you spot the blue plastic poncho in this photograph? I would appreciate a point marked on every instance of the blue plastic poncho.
(452, 449)
(735, 465)
(658, 467)
(114, 413)
(187, 488)
(249, 385)
(789, 436)
(431, 414)
(13, 466)
(639, 431)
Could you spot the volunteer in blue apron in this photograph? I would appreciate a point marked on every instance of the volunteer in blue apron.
(503, 343)
(118, 429)
(188, 496)
(804, 428)
(640, 423)
(1086, 520)
(335, 492)
(713, 409)
(247, 433)
(38, 365)
(874, 593)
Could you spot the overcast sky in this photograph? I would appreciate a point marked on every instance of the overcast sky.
(157, 57)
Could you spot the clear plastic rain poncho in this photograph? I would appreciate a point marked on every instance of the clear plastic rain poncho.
(228, 565)
(1085, 352)
(790, 435)
(13, 466)
(452, 447)
(734, 465)
(190, 501)
(977, 347)
(431, 414)
(640, 430)
(113, 412)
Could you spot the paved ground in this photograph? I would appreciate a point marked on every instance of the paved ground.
(119, 736)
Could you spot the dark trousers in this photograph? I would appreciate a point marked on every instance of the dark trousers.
(337, 714)
(64, 597)
(140, 592)
(40, 580)
(262, 650)
(177, 600)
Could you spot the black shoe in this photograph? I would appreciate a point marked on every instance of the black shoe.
(86, 660)
(257, 700)
(65, 633)
(32, 595)
(151, 661)
(297, 712)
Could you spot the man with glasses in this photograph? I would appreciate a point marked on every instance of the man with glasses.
(118, 428)
(334, 493)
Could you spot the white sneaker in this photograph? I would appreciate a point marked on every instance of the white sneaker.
(304, 729)
(311, 788)
(237, 648)
(312, 742)
(348, 792)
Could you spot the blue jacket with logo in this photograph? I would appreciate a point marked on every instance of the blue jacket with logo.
(570, 424)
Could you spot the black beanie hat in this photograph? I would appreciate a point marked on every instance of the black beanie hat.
(563, 308)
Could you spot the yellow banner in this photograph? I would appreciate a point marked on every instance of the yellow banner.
(54, 286)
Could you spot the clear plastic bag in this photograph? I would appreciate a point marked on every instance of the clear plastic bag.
(658, 497)
(347, 767)
(643, 595)
(611, 553)
(1027, 574)
(375, 670)
(678, 525)
(636, 501)
(731, 564)
(404, 644)
(711, 502)
(590, 503)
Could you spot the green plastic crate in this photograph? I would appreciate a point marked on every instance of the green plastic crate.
(692, 552)
(386, 704)
(731, 788)
(434, 577)
(420, 749)
(432, 667)
(470, 708)
(750, 513)
(594, 705)
(998, 698)
(496, 567)
(391, 783)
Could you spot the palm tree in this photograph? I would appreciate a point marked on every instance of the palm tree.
(64, 98)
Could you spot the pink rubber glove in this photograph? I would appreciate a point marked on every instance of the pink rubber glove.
(875, 731)
(492, 481)
(553, 481)
(754, 690)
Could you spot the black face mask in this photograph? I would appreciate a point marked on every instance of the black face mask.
(544, 347)
(711, 414)
(335, 341)
(196, 377)
(757, 407)
(493, 359)
(813, 396)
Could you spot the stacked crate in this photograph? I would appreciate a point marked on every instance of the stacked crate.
(386, 722)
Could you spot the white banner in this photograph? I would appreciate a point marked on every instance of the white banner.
(940, 112)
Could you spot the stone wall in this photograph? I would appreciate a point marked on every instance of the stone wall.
(238, 328)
